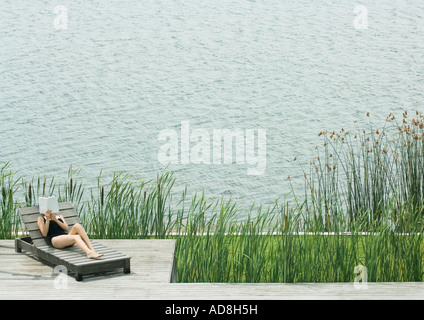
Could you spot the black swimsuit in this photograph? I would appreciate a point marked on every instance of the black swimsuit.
(55, 230)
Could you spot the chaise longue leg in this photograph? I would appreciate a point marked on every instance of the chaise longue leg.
(127, 268)
(17, 246)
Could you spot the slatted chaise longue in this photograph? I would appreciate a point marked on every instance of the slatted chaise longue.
(72, 258)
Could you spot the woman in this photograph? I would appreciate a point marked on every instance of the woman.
(56, 229)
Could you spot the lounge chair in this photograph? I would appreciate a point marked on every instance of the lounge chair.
(74, 259)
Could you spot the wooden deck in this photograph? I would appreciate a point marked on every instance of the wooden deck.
(24, 277)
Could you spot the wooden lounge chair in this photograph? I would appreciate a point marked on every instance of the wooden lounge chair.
(74, 259)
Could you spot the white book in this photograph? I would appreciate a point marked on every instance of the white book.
(48, 203)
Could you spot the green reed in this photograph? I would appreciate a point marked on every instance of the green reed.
(130, 208)
(9, 220)
(280, 243)
(356, 174)
(363, 205)
(271, 246)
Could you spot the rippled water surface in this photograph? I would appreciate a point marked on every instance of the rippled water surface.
(97, 94)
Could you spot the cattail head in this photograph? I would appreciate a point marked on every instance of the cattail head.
(102, 199)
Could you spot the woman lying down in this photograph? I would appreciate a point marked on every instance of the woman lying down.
(56, 229)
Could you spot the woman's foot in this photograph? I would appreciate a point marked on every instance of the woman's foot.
(93, 255)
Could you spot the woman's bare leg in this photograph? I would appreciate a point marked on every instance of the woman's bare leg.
(64, 241)
(78, 229)
(77, 236)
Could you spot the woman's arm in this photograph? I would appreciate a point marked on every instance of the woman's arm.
(63, 224)
(44, 225)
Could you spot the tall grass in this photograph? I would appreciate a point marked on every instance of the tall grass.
(357, 174)
(363, 205)
(130, 209)
(272, 246)
(9, 221)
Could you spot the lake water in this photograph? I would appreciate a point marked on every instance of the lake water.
(98, 94)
